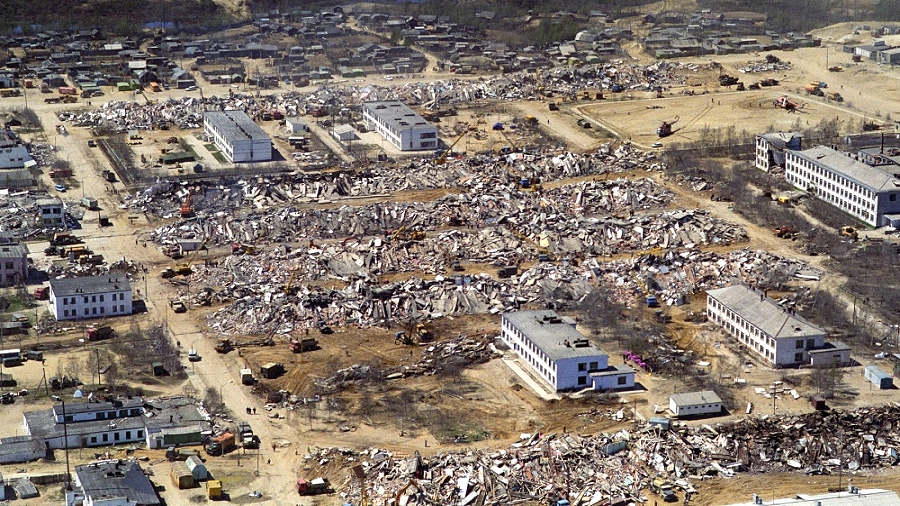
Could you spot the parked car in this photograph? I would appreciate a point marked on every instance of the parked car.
(60, 188)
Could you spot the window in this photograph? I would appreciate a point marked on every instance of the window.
(93, 439)
(122, 308)
(582, 380)
(428, 135)
(101, 298)
(798, 357)
(65, 312)
(93, 310)
(105, 438)
(799, 344)
(127, 434)
(9, 265)
(114, 297)
(102, 310)
(594, 366)
(69, 418)
(893, 197)
(93, 298)
(623, 380)
(140, 433)
(116, 436)
(86, 312)
(582, 367)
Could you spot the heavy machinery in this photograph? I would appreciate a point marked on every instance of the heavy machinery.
(423, 335)
(833, 95)
(664, 489)
(769, 82)
(850, 232)
(740, 86)
(243, 249)
(787, 104)
(443, 156)
(836, 68)
(184, 268)
(187, 210)
(303, 345)
(785, 232)
(812, 89)
(403, 234)
(727, 80)
(224, 345)
(665, 129)
(313, 487)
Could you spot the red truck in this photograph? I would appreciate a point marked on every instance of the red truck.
(61, 173)
(99, 333)
(42, 293)
(313, 487)
(67, 90)
(221, 445)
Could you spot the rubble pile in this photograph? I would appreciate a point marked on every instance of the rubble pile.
(463, 350)
(20, 216)
(606, 467)
(765, 66)
(477, 173)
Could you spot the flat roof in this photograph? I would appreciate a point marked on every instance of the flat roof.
(863, 497)
(550, 333)
(76, 407)
(764, 313)
(87, 285)
(117, 478)
(13, 250)
(871, 177)
(695, 398)
(397, 114)
(235, 125)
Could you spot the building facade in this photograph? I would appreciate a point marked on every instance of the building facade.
(769, 330)
(559, 354)
(706, 402)
(400, 125)
(90, 297)
(770, 148)
(88, 424)
(13, 264)
(865, 192)
(51, 212)
(13, 155)
(238, 137)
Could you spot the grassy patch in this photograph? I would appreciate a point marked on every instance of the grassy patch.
(216, 153)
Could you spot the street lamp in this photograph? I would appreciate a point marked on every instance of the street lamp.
(66, 442)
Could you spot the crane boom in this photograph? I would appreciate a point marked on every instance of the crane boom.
(443, 156)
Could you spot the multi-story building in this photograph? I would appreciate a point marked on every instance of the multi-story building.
(867, 193)
(13, 263)
(400, 125)
(770, 148)
(776, 334)
(13, 155)
(238, 137)
(51, 212)
(90, 297)
(559, 354)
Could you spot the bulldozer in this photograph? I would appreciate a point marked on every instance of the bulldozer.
(224, 345)
(422, 335)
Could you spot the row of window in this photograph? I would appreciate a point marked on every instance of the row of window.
(93, 298)
(815, 171)
(93, 311)
(117, 436)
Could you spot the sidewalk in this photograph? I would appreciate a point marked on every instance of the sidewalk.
(535, 385)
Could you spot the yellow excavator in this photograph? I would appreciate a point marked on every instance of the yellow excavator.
(442, 158)
(184, 268)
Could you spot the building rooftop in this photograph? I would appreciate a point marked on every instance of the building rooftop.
(89, 285)
(396, 115)
(764, 313)
(695, 398)
(42, 425)
(13, 250)
(556, 338)
(76, 407)
(863, 497)
(235, 125)
(870, 177)
(780, 139)
(117, 478)
(50, 201)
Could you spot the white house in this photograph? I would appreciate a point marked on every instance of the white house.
(90, 297)
(400, 125)
(867, 193)
(238, 137)
(770, 148)
(13, 155)
(88, 424)
(559, 354)
(774, 333)
(706, 402)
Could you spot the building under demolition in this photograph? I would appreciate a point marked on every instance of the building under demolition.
(239, 138)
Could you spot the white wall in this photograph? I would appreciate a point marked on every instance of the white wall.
(13, 157)
(700, 409)
(81, 307)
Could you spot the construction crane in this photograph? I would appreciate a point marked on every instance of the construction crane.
(443, 156)
(287, 287)
(186, 209)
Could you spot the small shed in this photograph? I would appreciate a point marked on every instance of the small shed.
(296, 125)
(706, 402)
(197, 467)
(271, 370)
(182, 477)
(25, 489)
(878, 377)
(344, 133)
(660, 421)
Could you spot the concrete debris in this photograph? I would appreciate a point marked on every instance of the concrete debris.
(479, 173)
(618, 468)
(764, 66)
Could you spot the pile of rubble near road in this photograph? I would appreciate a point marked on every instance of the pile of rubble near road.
(617, 468)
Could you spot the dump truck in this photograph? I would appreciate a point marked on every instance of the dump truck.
(832, 95)
(99, 333)
(64, 239)
(60, 173)
(246, 377)
(663, 488)
(814, 90)
(313, 487)
(221, 444)
(303, 345)
(67, 90)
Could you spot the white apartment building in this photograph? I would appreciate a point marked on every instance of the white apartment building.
(13, 155)
(238, 137)
(559, 354)
(90, 297)
(867, 193)
(770, 148)
(779, 336)
(400, 125)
